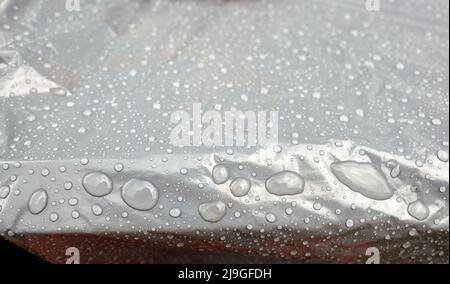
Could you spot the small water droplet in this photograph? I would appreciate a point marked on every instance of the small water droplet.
(118, 167)
(175, 212)
(271, 218)
(54, 217)
(75, 214)
(68, 185)
(97, 210)
(349, 223)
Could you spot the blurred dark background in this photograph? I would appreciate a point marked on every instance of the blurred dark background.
(11, 254)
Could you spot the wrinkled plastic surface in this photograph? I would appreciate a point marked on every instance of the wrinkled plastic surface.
(363, 105)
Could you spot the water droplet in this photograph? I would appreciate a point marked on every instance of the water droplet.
(220, 174)
(58, 91)
(140, 194)
(213, 211)
(413, 232)
(240, 187)
(68, 185)
(97, 210)
(442, 156)
(4, 191)
(317, 206)
(84, 161)
(271, 218)
(400, 66)
(45, 172)
(73, 201)
(285, 183)
(344, 118)
(436, 121)
(277, 149)
(395, 172)
(38, 201)
(175, 212)
(118, 167)
(75, 214)
(418, 210)
(54, 217)
(349, 223)
(362, 178)
(97, 184)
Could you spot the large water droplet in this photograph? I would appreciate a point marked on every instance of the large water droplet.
(443, 156)
(395, 172)
(418, 210)
(220, 174)
(240, 187)
(213, 211)
(362, 178)
(4, 191)
(140, 194)
(97, 184)
(285, 183)
(58, 91)
(38, 201)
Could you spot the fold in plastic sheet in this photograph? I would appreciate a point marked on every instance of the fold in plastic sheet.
(359, 171)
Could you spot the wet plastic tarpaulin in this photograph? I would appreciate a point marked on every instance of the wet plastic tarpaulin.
(260, 131)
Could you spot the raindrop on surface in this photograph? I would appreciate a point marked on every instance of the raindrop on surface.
(220, 174)
(362, 178)
(175, 212)
(45, 172)
(4, 191)
(58, 91)
(277, 149)
(271, 218)
(436, 121)
(38, 201)
(68, 185)
(395, 172)
(213, 211)
(73, 201)
(97, 210)
(75, 214)
(118, 167)
(54, 217)
(140, 194)
(97, 184)
(442, 156)
(285, 183)
(349, 223)
(240, 187)
(418, 210)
